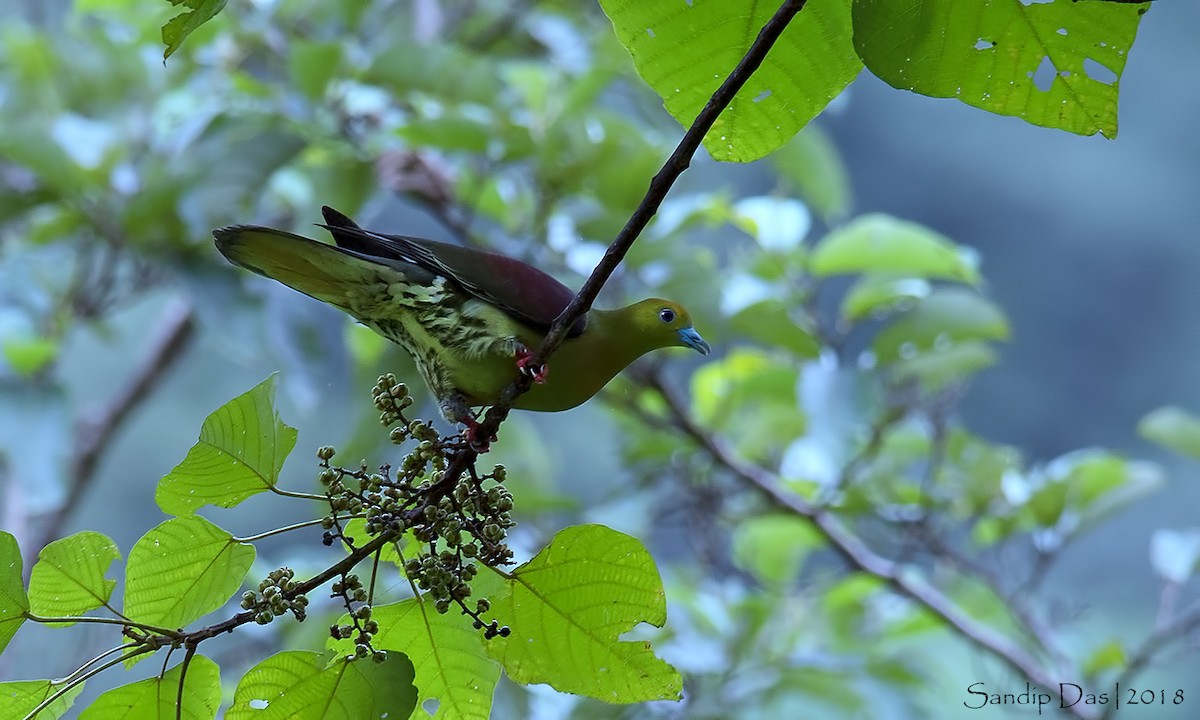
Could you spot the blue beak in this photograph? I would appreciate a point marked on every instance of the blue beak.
(689, 337)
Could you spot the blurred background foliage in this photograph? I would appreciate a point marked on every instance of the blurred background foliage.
(1051, 275)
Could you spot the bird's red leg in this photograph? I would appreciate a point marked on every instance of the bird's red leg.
(471, 434)
(529, 364)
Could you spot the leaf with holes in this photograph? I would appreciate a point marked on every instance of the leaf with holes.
(684, 51)
(451, 666)
(240, 452)
(567, 608)
(156, 697)
(68, 578)
(1055, 64)
(183, 569)
(299, 685)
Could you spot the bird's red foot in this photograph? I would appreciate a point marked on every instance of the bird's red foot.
(472, 435)
(529, 364)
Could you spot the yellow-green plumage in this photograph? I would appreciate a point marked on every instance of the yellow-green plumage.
(464, 315)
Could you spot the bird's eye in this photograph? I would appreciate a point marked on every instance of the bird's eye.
(667, 315)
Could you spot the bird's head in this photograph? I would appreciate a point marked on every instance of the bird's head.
(663, 323)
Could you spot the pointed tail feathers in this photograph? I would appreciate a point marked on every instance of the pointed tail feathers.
(321, 271)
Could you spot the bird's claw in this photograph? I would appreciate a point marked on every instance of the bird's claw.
(530, 365)
(471, 434)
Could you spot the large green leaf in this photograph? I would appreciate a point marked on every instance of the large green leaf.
(18, 699)
(1056, 64)
(451, 666)
(13, 601)
(183, 569)
(241, 449)
(568, 607)
(882, 244)
(299, 685)
(155, 698)
(684, 51)
(68, 578)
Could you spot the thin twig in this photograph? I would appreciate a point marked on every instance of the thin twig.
(176, 327)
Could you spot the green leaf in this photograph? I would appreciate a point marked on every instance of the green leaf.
(183, 569)
(772, 547)
(449, 660)
(449, 133)
(1173, 428)
(241, 449)
(993, 54)
(1174, 554)
(812, 165)
(752, 396)
(938, 366)
(179, 27)
(311, 65)
(1095, 475)
(356, 531)
(13, 601)
(684, 51)
(27, 356)
(68, 578)
(770, 323)
(445, 71)
(1109, 656)
(947, 315)
(882, 244)
(296, 685)
(33, 148)
(876, 295)
(1048, 502)
(18, 699)
(154, 698)
(568, 607)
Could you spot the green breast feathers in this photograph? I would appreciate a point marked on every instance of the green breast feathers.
(467, 317)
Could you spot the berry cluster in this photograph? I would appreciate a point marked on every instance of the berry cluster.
(458, 525)
(275, 597)
(361, 626)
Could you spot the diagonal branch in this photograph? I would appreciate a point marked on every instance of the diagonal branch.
(660, 185)
(858, 554)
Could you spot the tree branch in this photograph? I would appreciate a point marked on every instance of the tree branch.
(176, 327)
(660, 185)
(857, 554)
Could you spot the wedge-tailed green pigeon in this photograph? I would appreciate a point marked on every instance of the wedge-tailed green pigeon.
(466, 316)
